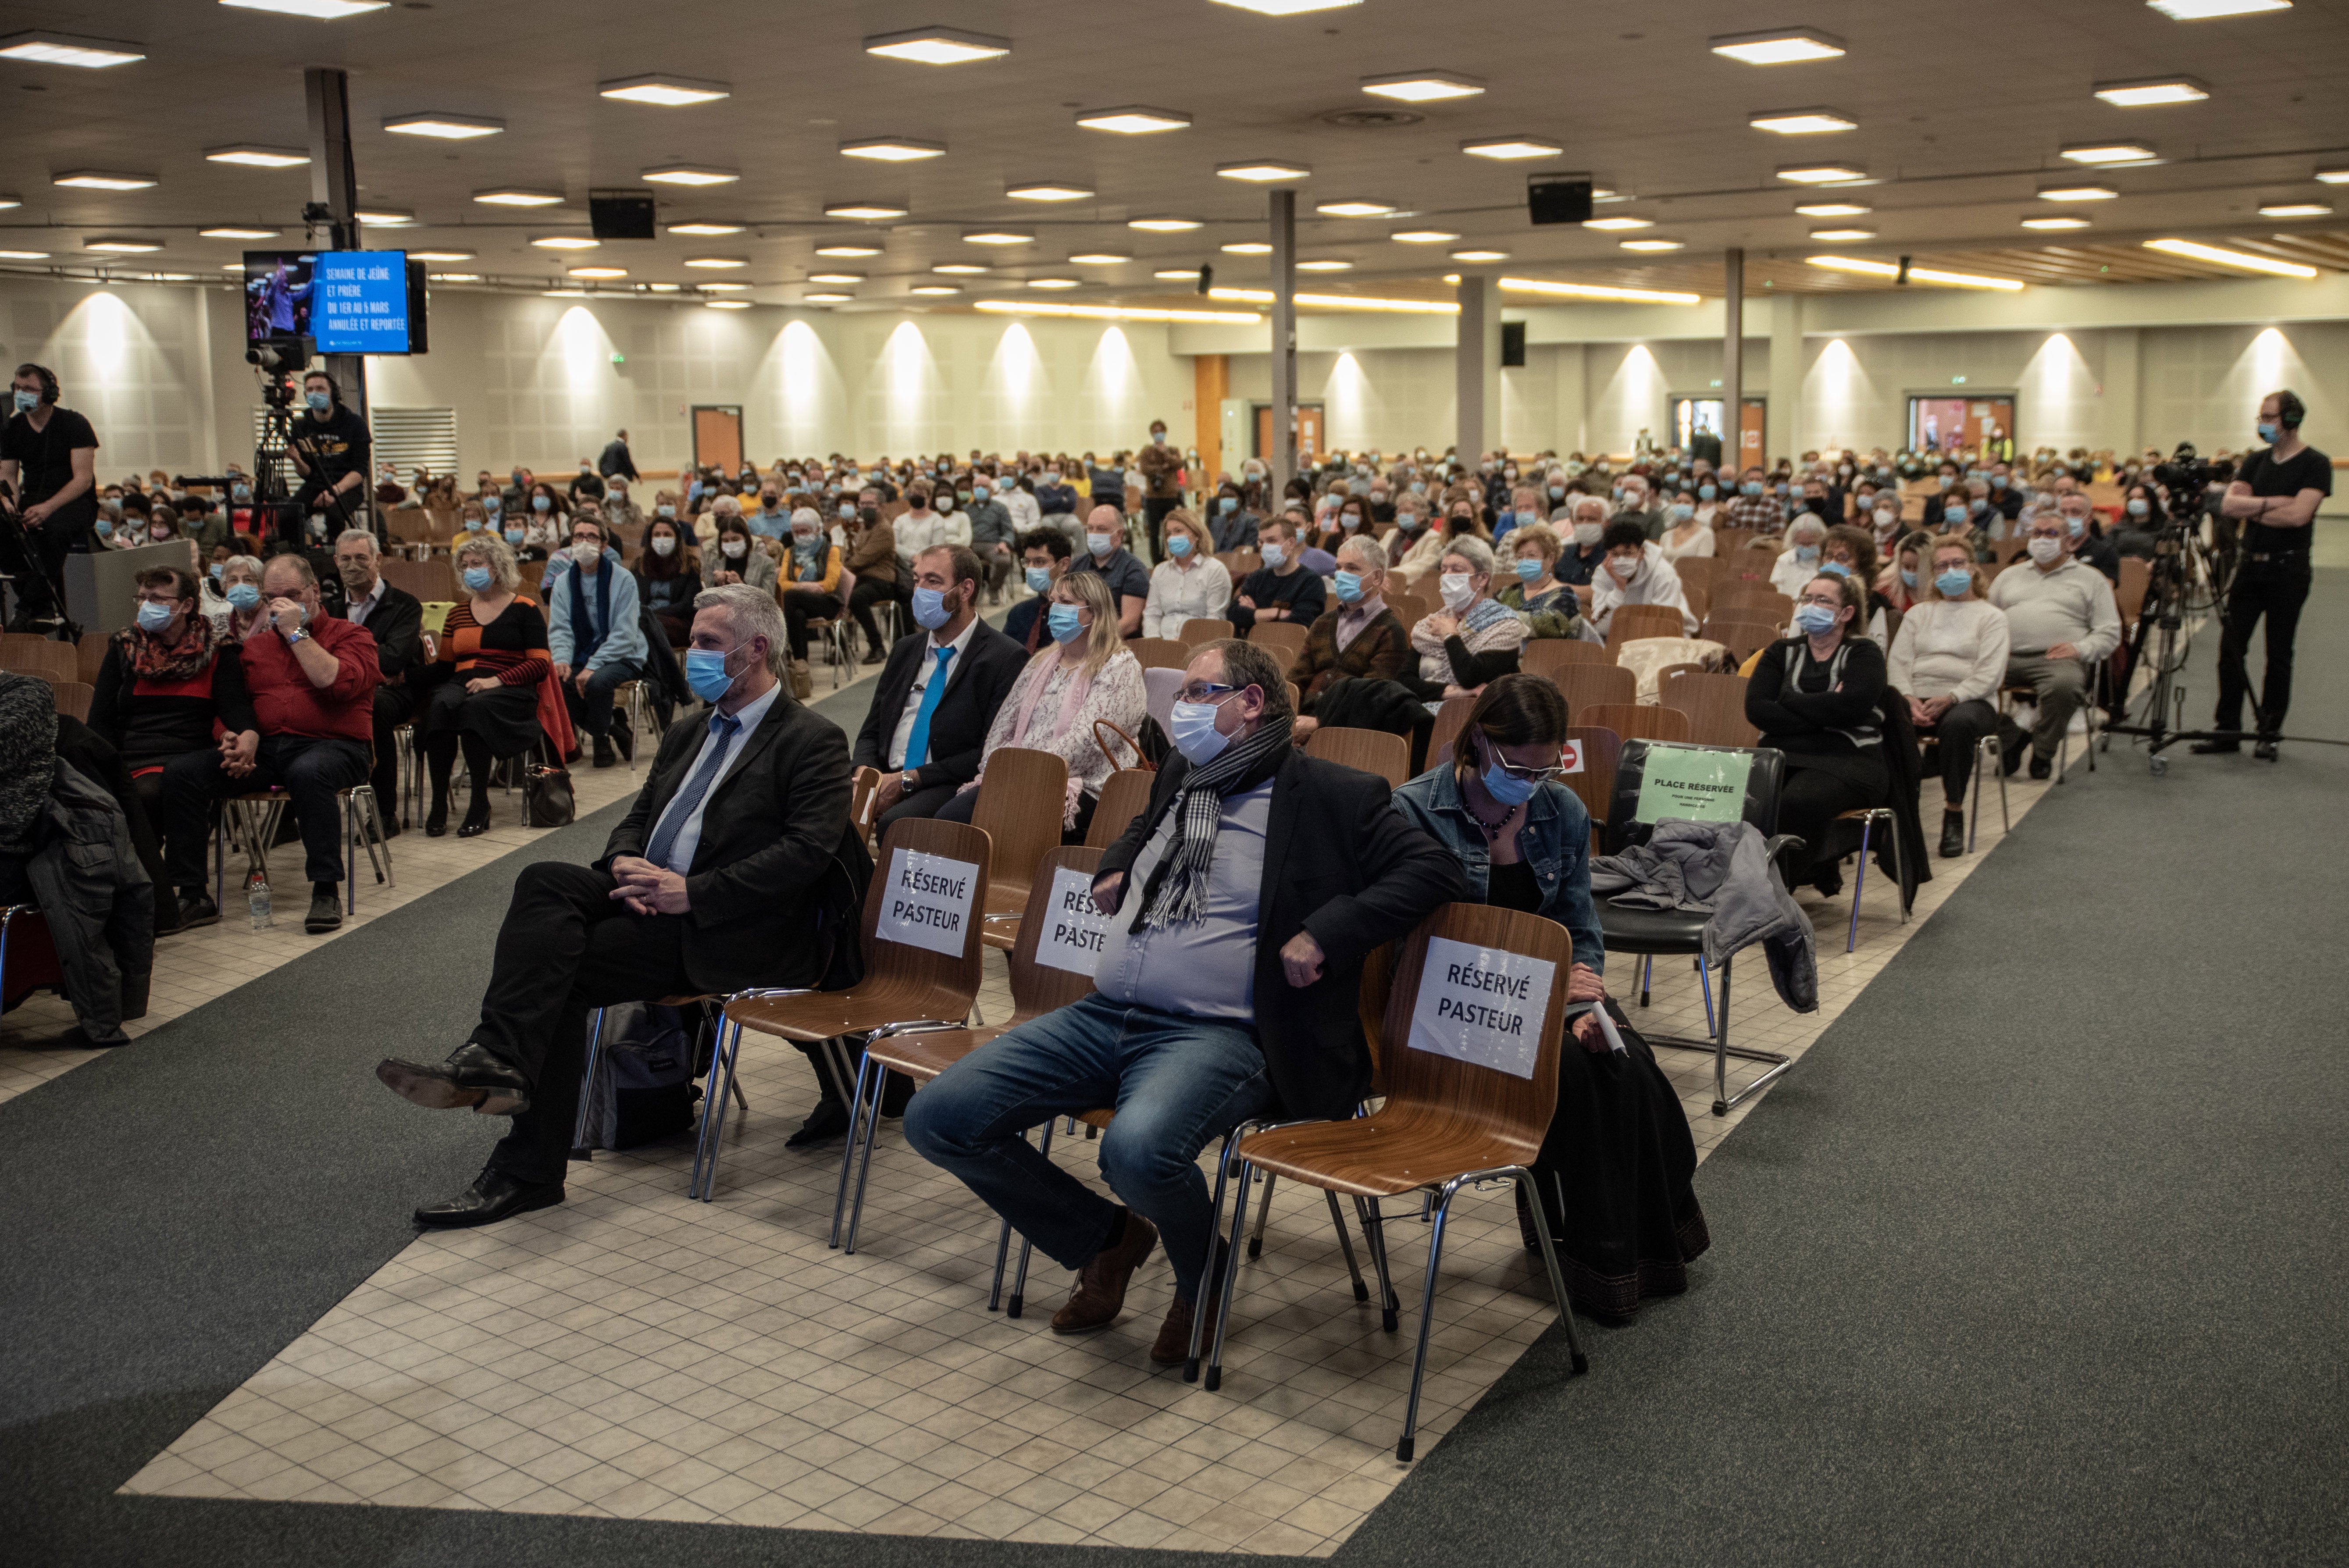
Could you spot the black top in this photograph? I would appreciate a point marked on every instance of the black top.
(1514, 887)
(44, 458)
(978, 680)
(337, 445)
(1820, 714)
(1301, 590)
(151, 722)
(2310, 469)
(615, 459)
(1128, 577)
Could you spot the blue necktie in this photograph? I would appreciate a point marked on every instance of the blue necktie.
(917, 745)
(688, 799)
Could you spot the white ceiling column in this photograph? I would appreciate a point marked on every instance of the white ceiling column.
(1785, 434)
(1478, 363)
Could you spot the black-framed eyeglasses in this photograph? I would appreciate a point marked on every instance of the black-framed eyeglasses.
(1204, 691)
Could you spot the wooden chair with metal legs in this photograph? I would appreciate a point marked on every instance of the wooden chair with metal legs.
(920, 941)
(1285, 640)
(1465, 1104)
(256, 816)
(580, 1149)
(1123, 798)
(1368, 750)
(1019, 809)
(1201, 629)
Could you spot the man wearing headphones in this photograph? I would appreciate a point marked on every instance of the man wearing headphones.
(48, 456)
(2275, 494)
(330, 447)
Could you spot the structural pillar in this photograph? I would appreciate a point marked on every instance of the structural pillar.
(333, 185)
(1733, 362)
(1785, 437)
(1282, 458)
(2124, 387)
(1478, 366)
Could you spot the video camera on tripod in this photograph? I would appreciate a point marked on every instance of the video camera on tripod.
(2190, 478)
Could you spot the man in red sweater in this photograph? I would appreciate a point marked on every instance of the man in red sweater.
(312, 681)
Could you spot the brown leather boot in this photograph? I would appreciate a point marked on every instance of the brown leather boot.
(1100, 1295)
(1173, 1344)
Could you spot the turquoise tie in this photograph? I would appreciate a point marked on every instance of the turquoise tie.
(917, 745)
(713, 756)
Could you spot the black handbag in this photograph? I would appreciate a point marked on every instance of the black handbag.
(546, 798)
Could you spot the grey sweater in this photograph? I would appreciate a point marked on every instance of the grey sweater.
(2072, 603)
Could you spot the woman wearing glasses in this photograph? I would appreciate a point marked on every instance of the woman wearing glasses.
(1814, 697)
(1615, 1170)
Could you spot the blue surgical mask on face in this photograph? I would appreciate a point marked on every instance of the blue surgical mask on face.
(1953, 515)
(27, 401)
(1063, 620)
(243, 595)
(1752, 487)
(1528, 569)
(1350, 587)
(153, 617)
(1806, 554)
(478, 579)
(1274, 555)
(705, 673)
(1998, 482)
(1194, 734)
(1178, 545)
(1039, 579)
(2078, 525)
(1908, 578)
(541, 503)
(513, 536)
(1951, 582)
(1707, 492)
(2137, 507)
(1836, 569)
(318, 402)
(1228, 504)
(215, 572)
(1507, 789)
(931, 610)
(1816, 620)
(1683, 513)
(2269, 431)
(104, 529)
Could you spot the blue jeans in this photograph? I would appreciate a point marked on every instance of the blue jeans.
(1178, 1084)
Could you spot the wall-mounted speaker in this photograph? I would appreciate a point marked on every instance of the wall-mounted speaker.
(1513, 344)
(621, 215)
(1558, 201)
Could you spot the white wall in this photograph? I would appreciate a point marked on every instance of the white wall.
(136, 360)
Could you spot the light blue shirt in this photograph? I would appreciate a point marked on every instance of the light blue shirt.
(1202, 968)
(624, 639)
(689, 837)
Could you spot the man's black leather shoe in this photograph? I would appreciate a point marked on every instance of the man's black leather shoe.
(2041, 767)
(326, 908)
(827, 1121)
(198, 910)
(471, 1075)
(493, 1196)
(2011, 749)
(1954, 835)
(605, 755)
(2215, 747)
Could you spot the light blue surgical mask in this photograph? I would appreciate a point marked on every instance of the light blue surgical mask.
(1350, 587)
(1099, 544)
(27, 401)
(1752, 487)
(1816, 620)
(319, 402)
(1953, 515)
(153, 617)
(1194, 734)
(1908, 579)
(243, 595)
(513, 536)
(1707, 492)
(478, 579)
(1228, 504)
(1178, 545)
(1039, 579)
(1835, 568)
(1274, 555)
(1806, 554)
(1063, 620)
(104, 529)
(1507, 789)
(931, 610)
(2137, 507)
(1528, 568)
(705, 673)
(541, 503)
(1683, 513)
(2269, 431)
(215, 572)
(1951, 582)
(491, 503)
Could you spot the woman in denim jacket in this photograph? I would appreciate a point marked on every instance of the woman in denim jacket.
(1615, 1170)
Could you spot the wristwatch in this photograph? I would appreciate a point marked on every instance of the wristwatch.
(297, 635)
(909, 782)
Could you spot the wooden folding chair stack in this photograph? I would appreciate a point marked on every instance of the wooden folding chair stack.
(1019, 809)
(1715, 707)
(1371, 750)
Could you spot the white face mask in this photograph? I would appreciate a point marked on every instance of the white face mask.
(2043, 551)
(1622, 566)
(665, 545)
(1099, 544)
(1586, 534)
(1457, 590)
(735, 549)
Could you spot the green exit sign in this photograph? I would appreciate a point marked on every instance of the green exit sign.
(1954, 380)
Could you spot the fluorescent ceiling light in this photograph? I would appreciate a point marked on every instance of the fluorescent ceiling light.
(454, 277)
(1344, 302)
(1600, 292)
(726, 304)
(1820, 174)
(689, 174)
(1916, 274)
(1423, 236)
(2078, 193)
(253, 157)
(1834, 209)
(827, 297)
(1618, 223)
(1135, 120)
(951, 269)
(384, 217)
(2227, 258)
(934, 289)
(1154, 225)
(317, 10)
(7, 201)
(2055, 222)
(1802, 121)
(723, 288)
(1480, 255)
(2109, 153)
(440, 255)
(1246, 248)
(2207, 10)
(513, 196)
(44, 255)
(663, 288)
(1286, 7)
(835, 277)
(663, 90)
(1048, 191)
(1170, 274)
(596, 272)
(1115, 312)
(1423, 87)
(717, 263)
(848, 250)
(1355, 209)
(997, 237)
(1325, 265)
(1087, 259)
(236, 232)
(705, 227)
(564, 241)
(1650, 244)
(1836, 235)
(2152, 92)
(1262, 170)
(937, 46)
(444, 127)
(96, 180)
(867, 212)
(2333, 176)
(42, 47)
(1778, 47)
(123, 246)
(1505, 147)
(1053, 283)
(893, 148)
(2296, 210)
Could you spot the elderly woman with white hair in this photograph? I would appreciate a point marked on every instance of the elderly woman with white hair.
(1475, 638)
(1806, 538)
(1360, 639)
(485, 682)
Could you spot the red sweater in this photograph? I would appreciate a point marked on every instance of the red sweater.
(287, 703)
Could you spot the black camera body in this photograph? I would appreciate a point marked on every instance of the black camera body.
(2188, 475)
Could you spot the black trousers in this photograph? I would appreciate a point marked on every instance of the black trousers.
(310, 768)
(804, 605)
(1812, 797)
(1960, 731)
(566, 946)
(394, 704)
(2278, 596)
(1154, 517)
(920, 803)
(868, 592)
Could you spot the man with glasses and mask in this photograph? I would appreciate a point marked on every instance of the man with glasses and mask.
(2061, 622)
(1242, 904)
(395, 619)
(708, 885)
(2274, 495)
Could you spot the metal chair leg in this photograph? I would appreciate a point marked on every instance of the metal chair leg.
(1346, 1245)
(854, 1101)
(1019, 1303)
(1374, 1232)
(1426, 1321)
(880, 1076)
(1263, 1212)
(1215, 1240)
(587, 1079)
(1647, 963)
(1859, 880)
(1214, 1378)
(1002, 1253)
(713, 1112)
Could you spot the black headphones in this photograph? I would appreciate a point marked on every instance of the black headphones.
(2290, 409)
(332, 390)
(49, 380)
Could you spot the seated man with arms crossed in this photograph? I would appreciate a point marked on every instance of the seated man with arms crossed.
(1243, 902)
(706, 886)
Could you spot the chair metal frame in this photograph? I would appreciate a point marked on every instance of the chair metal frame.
(258, 814)
(1869, 817)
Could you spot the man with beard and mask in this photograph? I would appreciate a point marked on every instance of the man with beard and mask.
(2275, 493)
(939, 690)
(395, 619)
(329, 446)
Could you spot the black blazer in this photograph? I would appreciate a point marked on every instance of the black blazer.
(396, 625)
(769, 834)
(1341, 863)
(977, 683)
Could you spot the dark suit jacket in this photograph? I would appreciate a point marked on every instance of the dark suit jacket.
(769, 835)
(396, 625)
(1341, 863)
(977, 683)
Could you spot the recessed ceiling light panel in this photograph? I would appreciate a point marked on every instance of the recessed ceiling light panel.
(1821, 173)
(564, 241)
(100, 179)
(1355, 209)
(1778, 47)
(252, 157)
(122, 245)
(596, 272)
(1325, 264)
(2333, 176)
(384, 217)
(1263, 170)
(691, 174)
(865, 211)
(835, 277)
(1048, 191)
(2211, 10)
(444, 127)
(934, 289)
(518, 196)
(1286, 7)
(956, 268)
(2221, 256)
(2063, 221)
(1508, 149)
(1246, 248)
(43, 47)
(436, 255)
(1609, 223)
(2296, 210)
(937, 46)
(1058, 282)
(1802, 121)
(1423, 236)
(1095, 259)
(2078, 193)
(1133, 120)
(663, 90)
(1834, 209)
(996, 237)
(315, 10)
(2096, 152)
(1834, 234)
(717, 263)
(893, 148)
(705, 227)
(847, 249)
(1423, 87)
(1480, 255)
(1161, 225)
(2152, 92)
(1651, 245)
(240, 232)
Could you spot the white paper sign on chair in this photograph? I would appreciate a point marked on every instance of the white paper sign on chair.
(1071, 938)
(929, 901)
(1480, 1005)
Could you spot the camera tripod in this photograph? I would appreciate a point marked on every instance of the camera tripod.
(2183, 561)
(37, 587)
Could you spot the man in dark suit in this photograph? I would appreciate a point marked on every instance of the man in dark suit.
(393, 618)
(714, 882)
(1243, 902)
(925, 738)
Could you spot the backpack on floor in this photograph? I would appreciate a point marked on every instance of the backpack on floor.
(645, 1088)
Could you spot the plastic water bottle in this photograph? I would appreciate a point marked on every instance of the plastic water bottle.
(256, 899)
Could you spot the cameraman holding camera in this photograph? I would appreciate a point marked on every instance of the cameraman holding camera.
(329, 444)
(2275, 495)
(48, 456)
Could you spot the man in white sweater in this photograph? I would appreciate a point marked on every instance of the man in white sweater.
(2061, 621)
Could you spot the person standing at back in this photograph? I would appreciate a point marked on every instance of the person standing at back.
(1161, 491)
(48, 456)
(615, 458)
(2275, 495)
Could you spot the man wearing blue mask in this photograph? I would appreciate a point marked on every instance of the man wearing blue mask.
(939, 690)
(1754, 507)
(2274, 494)
(1105, 552)
(49, 457)
(329, 444)
(1043, 557)
(1243, 901)
(1231, 521)
(712, 883)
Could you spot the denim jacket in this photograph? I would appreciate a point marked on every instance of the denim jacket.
(1555, 840)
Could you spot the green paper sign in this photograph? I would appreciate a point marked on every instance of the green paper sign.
(1693, 786)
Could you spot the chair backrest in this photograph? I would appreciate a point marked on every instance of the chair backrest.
(1715, 707)
(1450, 720)
(1638, 720)
(1239, 563)
(1742, 636)
(73, 697)
(1124, 796)
(1159, 686)
(1586, 686)
(1486, 1063)
(1058, 931)
(1704, 569)
(91, 653)
(1372, 750)
(1159, 652)
(1769, 604)
(2137, 575)
(1018, 808)
(863, 786)
(53, 662)
(1727, 542)
(1593, 781)
(1633, 621)
(1548, 655)
(1284, 640)
(1698, 591)
(1199, 629)
(1764, 769)
(1754, 564)
(922, 907)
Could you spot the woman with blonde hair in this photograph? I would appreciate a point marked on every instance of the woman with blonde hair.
(1947, 659)
(485, 682)
(1190, 585)
(1084, 673)
(1548, 606)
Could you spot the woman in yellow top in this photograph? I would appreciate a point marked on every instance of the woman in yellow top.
(807, 583)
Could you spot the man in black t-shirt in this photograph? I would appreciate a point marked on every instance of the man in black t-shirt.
(330, 447)
(48, 456)
(2275, 495)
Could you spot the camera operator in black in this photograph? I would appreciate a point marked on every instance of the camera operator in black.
(2275, 495)
(330, 447)
(48, 456)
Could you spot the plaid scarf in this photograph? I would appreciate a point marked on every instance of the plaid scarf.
(153, 659)
(1179, 888)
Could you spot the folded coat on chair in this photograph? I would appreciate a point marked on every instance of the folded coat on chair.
(1724, 869)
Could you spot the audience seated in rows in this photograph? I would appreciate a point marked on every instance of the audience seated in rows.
(594, 636)
(1948, 659)
(735, 556)
(1189, 584)
(1686, 535)
(1582, 553)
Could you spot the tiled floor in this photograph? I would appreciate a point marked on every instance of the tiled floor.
(633, 1354)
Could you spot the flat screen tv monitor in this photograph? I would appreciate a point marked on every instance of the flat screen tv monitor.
(348, 302)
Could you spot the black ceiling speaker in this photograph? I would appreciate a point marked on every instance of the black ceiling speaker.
(1513, 344)
(621, 214)
(1552, 200)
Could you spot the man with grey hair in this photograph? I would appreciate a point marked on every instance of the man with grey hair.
(395, 619)
(713, 882)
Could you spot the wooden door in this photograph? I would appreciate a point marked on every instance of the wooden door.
(1309, 430)
(718, 437)
(1753, 425)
